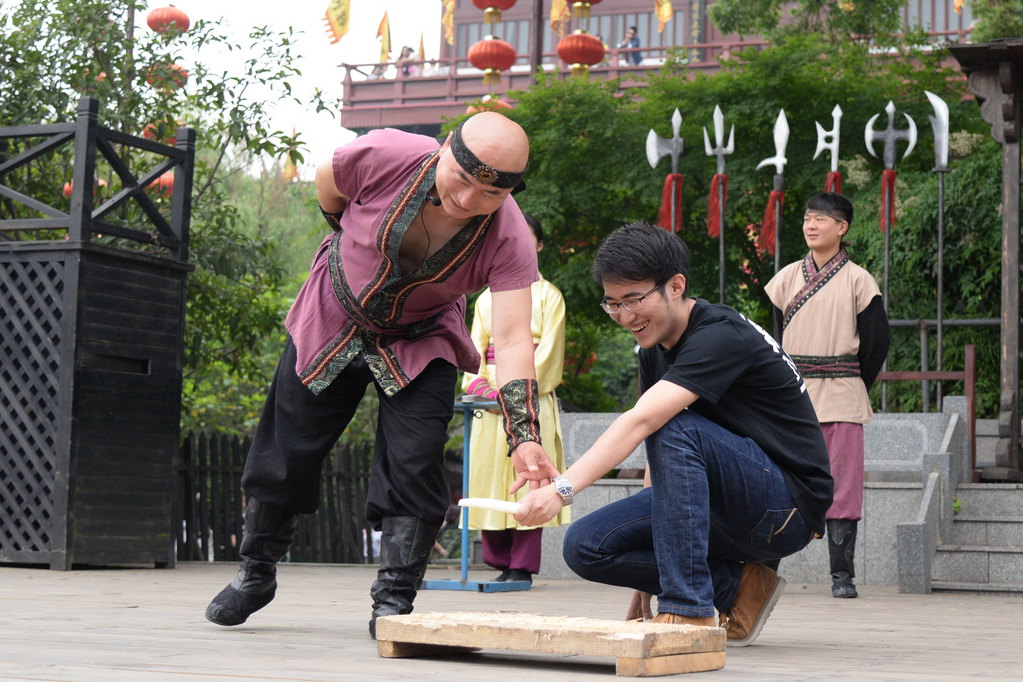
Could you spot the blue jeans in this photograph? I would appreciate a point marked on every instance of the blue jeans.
(717, 501)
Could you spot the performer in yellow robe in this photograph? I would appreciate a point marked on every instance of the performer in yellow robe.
(515, 550)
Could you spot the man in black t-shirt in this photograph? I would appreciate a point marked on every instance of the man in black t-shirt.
(737, 474)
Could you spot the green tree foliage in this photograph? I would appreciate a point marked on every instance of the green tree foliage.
(996, 19)
(833, 18)
(589, 175)
(53, 52)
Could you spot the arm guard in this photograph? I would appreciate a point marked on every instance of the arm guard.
(520, 406)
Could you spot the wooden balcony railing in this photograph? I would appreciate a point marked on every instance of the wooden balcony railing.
(441, 88)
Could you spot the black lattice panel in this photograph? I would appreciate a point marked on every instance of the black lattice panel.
(31, 308)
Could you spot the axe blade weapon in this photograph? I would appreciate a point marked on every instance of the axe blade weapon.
(657, 146)
(719, 149)
(939, 124)
(890, 136)
(781, 140)
(828, 139)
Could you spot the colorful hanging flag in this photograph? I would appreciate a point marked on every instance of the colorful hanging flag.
(560, 14)
(336, 18)
(448, 21)
(664, 12)
(384, 34)
(421, 52)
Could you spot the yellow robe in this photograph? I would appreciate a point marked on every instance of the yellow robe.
(490, 469)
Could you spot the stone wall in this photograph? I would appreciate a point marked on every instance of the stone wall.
(900, 452)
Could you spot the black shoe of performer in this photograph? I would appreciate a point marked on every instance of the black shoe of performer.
(233, 606)
(520, 574)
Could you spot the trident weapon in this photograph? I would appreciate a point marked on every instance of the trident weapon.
(670, 215)
(771, 232)
(939, 124)
(718, 190)
(828, 139)
(890, 136)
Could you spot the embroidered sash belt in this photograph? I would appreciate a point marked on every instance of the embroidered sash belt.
(827, 366)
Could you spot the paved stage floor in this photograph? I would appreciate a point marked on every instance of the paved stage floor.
(148, 624)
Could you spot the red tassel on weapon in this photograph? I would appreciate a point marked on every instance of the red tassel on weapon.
(714, 208)
(672, 193)
(765, 242)
(887, 199)
(833, 183)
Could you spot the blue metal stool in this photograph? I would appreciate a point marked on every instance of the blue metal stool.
(471, 406)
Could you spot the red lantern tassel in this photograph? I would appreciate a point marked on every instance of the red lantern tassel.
(714, 208)
(833, 183)
(672, 187)
(765, 242)
(887, 199)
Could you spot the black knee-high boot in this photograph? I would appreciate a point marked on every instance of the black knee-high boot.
(405, 546)
(265, 540)
(841, 547)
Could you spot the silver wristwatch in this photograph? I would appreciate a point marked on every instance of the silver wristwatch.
(565, 489)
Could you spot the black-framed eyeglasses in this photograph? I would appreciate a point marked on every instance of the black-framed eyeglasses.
(628, 304)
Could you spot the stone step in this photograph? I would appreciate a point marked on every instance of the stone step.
(986, 530)
(990, 499)
(945, 585)
(977, 564)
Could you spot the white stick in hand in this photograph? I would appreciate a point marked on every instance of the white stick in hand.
(491, 504)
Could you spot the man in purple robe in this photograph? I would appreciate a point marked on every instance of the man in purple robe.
(416, 227)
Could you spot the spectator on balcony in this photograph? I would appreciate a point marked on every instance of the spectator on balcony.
(408, 63)
(631, 40)
(416, 227)
(378, 72)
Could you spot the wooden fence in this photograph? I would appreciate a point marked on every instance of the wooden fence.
(212, 502)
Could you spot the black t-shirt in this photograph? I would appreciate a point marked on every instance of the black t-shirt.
(749, 385)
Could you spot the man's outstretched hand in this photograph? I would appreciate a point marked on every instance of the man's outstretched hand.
(533, 466)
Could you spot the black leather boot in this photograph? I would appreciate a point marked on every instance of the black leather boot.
(841, 546)
(265, 540)
(405, 546)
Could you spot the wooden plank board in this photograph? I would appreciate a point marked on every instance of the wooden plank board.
(684, 648)
(674, 664)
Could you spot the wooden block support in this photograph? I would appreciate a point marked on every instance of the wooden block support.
(640, 649)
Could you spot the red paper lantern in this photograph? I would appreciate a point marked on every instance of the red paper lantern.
(581, 10)
(98, 186)
(163, 19)
(581, 51)
(492, 9)
(165, 183)
(152, 131)
(492, 56)
(168, 77)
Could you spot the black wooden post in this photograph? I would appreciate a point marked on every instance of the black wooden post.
(82, 176)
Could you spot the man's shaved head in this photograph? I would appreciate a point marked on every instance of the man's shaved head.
(497, 141)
